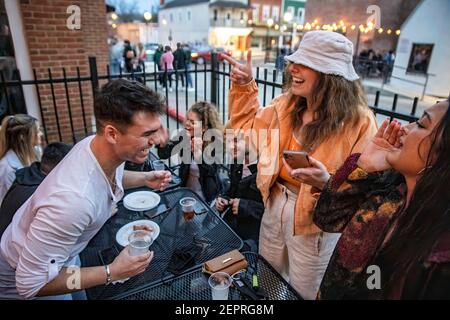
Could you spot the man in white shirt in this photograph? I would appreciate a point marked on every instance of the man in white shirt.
(80, 195)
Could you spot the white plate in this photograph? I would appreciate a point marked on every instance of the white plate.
(124, 233)
(141, 201)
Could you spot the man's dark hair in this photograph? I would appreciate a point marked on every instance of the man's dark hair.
(53, 154)
(120, 99)
(168, 48)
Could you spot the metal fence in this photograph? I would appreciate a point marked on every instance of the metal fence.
(211, 82)
(379, 69)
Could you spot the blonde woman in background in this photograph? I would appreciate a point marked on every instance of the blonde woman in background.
(19, 135)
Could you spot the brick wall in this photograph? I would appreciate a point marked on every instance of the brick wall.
(393, 14)
(52, 45)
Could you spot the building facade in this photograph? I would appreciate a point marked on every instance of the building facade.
(266, 16)
(221, 23)
(423, 50)
(296, 10)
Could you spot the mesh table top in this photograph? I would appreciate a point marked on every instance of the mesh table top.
(180, 246)
(193, 285)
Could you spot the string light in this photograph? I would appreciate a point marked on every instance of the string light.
(341, 25)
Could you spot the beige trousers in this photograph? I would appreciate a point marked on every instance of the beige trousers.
(301, 260)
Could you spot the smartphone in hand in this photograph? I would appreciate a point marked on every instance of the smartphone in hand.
(296, 159)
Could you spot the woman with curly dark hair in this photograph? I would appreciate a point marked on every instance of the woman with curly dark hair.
(392, 205)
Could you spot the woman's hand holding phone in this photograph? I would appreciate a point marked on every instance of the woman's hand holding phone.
(316, 175)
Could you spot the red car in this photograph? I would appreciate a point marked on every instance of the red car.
(202, 55)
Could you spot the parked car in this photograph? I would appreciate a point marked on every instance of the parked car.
(202, 55)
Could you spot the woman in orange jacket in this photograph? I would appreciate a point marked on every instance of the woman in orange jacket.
(322, 111)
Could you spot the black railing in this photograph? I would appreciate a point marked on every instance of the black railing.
(67, 112)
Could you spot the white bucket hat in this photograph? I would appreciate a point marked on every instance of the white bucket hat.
(326, 52)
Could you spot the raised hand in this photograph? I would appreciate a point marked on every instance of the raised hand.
(387, 140)
(241, 73)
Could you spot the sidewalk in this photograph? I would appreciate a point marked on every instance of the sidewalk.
(388, 88)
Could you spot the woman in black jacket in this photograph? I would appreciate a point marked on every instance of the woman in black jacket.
(203, 178)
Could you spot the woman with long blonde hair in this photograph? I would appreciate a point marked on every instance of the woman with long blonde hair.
(322, 112)
(19, 135)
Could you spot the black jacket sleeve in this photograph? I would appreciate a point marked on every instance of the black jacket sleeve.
(251, 209)
(166, 151)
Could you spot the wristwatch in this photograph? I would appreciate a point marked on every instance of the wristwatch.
(108, 274)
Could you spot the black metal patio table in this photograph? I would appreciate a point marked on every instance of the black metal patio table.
(181, 245)
(193, 285)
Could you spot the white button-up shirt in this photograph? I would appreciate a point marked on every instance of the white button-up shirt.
(57, 222)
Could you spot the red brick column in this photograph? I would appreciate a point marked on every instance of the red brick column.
(52, 45)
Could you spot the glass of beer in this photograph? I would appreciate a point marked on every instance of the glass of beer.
(187, 206)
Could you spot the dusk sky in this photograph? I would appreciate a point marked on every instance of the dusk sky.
(144, 5)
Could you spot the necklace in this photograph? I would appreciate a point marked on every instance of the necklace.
(112, 182)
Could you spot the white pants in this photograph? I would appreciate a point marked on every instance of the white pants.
(302, 260)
